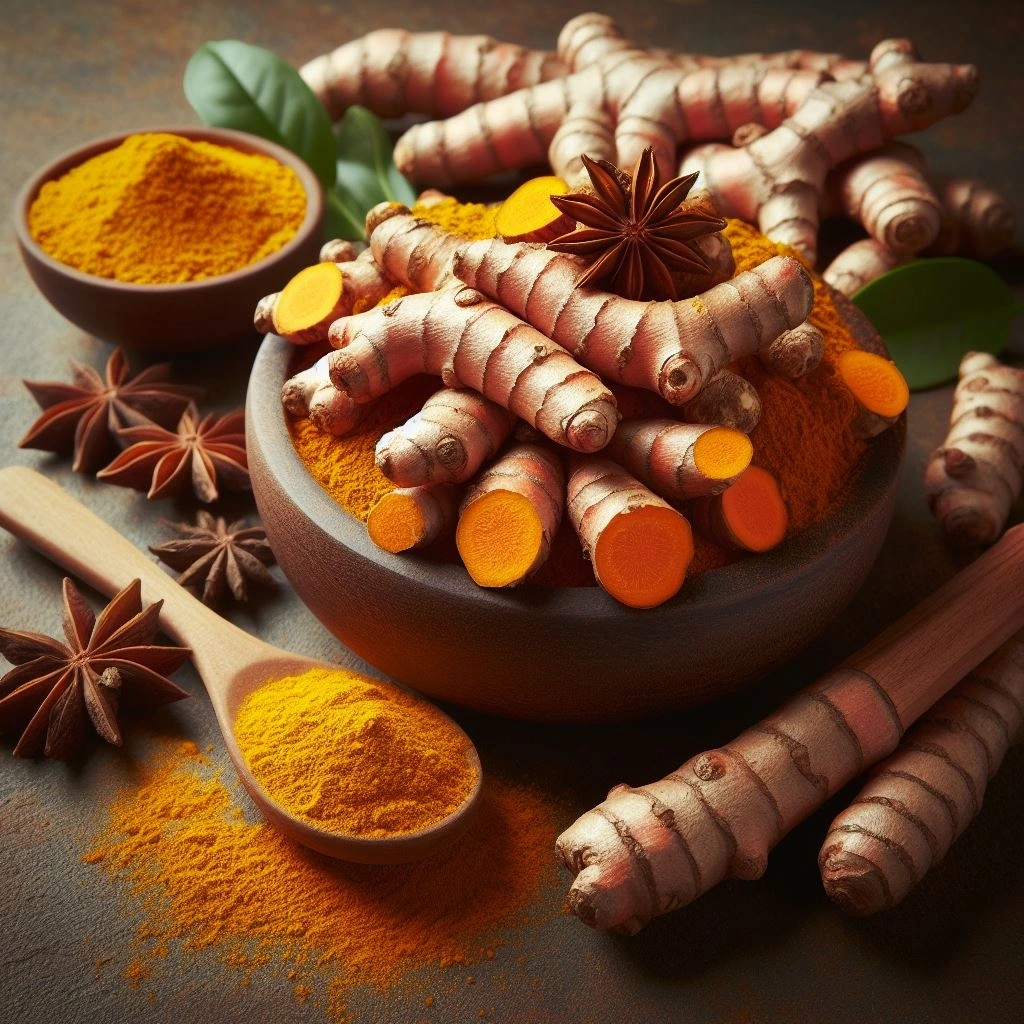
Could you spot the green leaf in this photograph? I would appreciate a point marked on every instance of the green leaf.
(231, 84)
(342, 220)
(366, 174)
(931, 311)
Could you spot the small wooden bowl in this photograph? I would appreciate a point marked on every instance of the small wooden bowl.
(169, 318)
(559, 655)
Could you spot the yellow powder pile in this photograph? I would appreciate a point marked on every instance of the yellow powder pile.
(474, 221)
(346, 754)
(344, 467)
(804, 437)
(205, 879)
(160, 209)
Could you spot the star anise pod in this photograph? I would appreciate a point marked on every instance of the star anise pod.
(637, 234)
(85, 415)
(55, 689)
(201, 455)
(218, 556)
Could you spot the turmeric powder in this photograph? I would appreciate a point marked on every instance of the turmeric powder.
(336, 750)
(805, 437)
(201, 877)
(162, 209)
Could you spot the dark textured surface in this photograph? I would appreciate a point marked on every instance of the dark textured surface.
(772, 950)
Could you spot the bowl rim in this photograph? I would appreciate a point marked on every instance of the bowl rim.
(733, 585)
(230, 137)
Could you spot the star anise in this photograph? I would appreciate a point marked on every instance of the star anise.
(85, 415)
(218, 556)
(201, 455)
(55, 690)
(639, 235)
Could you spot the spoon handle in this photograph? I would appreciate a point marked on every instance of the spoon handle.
(57, 525)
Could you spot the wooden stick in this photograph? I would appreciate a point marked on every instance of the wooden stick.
(918, 801)
(647, 850)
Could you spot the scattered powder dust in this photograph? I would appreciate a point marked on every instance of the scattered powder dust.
(206, 881)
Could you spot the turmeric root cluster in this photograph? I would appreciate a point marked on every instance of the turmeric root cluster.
(525, 429)
(530, 353)
(781, 140)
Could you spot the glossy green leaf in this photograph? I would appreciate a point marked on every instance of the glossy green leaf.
(231, 84)
(931, 311)
(366, 173)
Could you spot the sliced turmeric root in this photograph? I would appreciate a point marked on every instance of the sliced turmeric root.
(877, 385)
(308, 300)
(510, 515)
(411, 517)
(679, 460)
(528, 215)
(639, 546)
(750, 515)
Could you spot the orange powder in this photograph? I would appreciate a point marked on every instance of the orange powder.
(804, 438)
(206, 879)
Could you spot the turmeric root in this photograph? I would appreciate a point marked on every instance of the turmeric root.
(394, 72)
(638, 545)
(447, 441)
(859, 264)
(617, 100)
(978, 222)
(974, 478)
(412, 517)
(510, 514)
(777, 180)
(528, 215)
(650, 849)
(311, 393)
(920, 799)
(679, 461)
(468, 341)
(749, 514)
(878, 386)
(671, 348)
(727, 400)
(415, 252)
(317, 295)
(888, 192)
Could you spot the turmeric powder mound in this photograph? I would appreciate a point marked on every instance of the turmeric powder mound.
(805, 437)
(338, 751)
(204, 878)
(475, 221)
(160, 209)
(344, 466)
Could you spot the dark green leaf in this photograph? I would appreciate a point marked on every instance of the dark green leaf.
(342, 219)
(231, 84)
(366, 173)
(931, 311)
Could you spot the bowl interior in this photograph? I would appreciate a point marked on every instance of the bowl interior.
(556, 654)
(169, 318)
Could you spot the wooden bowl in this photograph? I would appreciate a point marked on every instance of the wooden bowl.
(169, 318)
(560, 655)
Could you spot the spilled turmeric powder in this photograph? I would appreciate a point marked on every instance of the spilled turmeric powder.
(341, 752)
(200, 876)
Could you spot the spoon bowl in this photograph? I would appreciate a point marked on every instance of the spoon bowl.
(230, 662)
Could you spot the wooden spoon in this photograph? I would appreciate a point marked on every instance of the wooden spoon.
(231, 662)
